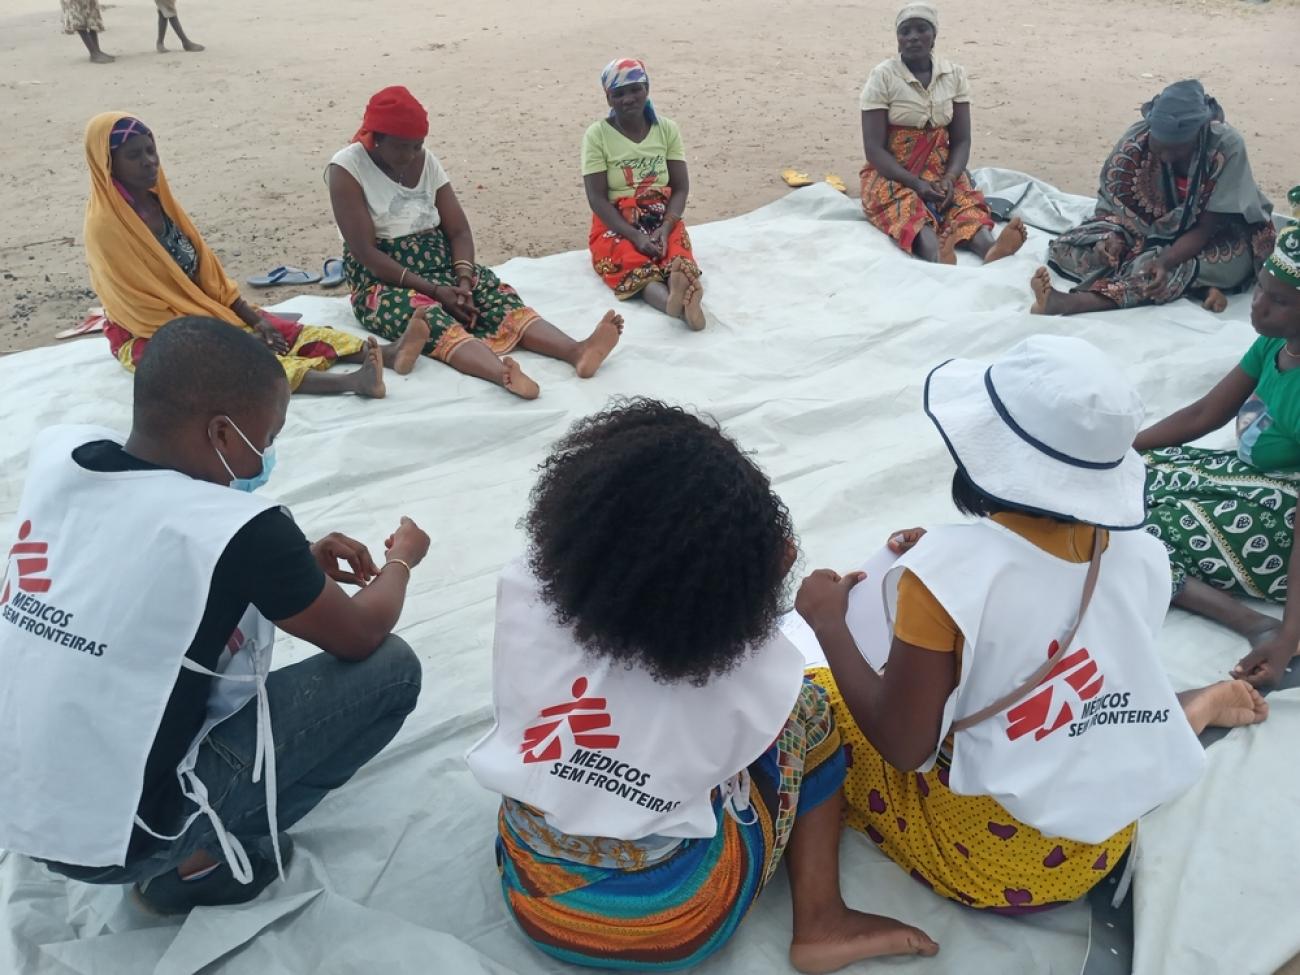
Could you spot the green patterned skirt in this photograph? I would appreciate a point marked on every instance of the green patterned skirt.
(386, 309)
(1221, 520)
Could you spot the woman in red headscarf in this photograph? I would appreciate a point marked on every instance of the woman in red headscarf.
(409, 257)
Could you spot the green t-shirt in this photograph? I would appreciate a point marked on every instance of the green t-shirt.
(1268, 425)
(631, 166)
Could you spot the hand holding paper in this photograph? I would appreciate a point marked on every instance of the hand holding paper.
(859, 596)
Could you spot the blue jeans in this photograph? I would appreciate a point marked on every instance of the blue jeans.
(329, 717)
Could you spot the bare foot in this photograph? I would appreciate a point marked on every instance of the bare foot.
(1011, 239)
(194, 48)
(598, 345)
(402, 355)
(1045, 295)
(1215, 301)
(1227, 704)
(161, 48)
(516, 382)
(948, 251)
(368, 381)
(678, 283)
(693, 312)
(849, 936)
(99, 57)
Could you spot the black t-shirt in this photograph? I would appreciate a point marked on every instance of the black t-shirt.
(269, 564)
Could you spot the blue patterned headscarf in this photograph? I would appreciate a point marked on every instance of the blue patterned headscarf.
(628, 71)
(124, 129)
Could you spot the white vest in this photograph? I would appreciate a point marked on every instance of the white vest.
(602, 749)
(1102, 740)
(101, 596)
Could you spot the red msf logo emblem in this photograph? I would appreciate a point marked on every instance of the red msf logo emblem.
(583, 716)
(1072, 681)
(31, 560)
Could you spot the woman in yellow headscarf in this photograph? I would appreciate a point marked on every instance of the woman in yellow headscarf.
(149, 265)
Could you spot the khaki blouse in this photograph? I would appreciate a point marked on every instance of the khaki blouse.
(893, 88)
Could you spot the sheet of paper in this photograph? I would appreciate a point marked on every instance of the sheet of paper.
(866, 617)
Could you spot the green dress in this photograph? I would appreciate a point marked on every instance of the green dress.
(1228, 517)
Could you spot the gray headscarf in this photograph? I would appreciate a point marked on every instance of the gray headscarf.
(917, 11)
(1178, 113)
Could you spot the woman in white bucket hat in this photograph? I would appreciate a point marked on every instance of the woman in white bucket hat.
(1023, 721)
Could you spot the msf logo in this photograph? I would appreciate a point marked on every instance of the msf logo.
(32, 562)
(583, 717)
(1060, 696)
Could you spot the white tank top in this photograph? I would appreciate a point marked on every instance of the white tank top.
(1102, 740)
(396, 210)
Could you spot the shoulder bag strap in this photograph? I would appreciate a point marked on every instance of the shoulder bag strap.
(1000, 705)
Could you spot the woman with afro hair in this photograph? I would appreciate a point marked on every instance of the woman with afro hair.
(656, 745)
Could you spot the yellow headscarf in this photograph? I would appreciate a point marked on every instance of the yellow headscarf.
(140, 285)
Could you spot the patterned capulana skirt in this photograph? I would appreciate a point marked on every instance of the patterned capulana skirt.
(606, 910)
(386, 309)
(1221, 520)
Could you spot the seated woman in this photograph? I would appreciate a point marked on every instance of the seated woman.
(916, 135)
(1023, 721)
(634, 171)
(149, 265)
(1178, 212)
(1228, 517)
(656, 745)
(409, 258)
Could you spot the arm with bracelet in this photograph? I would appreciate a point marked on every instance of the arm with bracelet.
(352, 627)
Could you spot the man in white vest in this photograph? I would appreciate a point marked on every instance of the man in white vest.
(146, 740)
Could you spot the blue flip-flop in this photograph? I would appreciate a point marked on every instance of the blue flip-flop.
(332, 272)
(283, 276)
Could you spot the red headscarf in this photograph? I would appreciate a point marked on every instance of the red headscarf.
(392, 111)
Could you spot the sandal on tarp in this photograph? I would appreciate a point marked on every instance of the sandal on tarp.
(93, 322)
(283, 276)
(834, 182)
(332, 272)
(796, 179)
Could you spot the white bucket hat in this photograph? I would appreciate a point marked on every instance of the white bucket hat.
(1048, 427)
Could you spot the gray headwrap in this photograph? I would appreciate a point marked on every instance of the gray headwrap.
(917, 11)
(1179, 112)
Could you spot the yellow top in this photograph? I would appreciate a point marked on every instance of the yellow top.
(140, 285)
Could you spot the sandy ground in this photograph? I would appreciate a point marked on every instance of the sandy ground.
(245, 128)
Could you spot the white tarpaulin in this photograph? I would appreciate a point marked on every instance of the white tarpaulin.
(820, 336)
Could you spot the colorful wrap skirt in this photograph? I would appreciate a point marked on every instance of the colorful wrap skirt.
(679, 909)
(386, 309)
(79, 15)
(311, 347)
(1228, 262)
(1221, 520)
(624, 268)
(968, 849)
(901, 213)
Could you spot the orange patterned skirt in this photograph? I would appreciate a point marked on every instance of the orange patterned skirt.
(900, 212)
(624, 268)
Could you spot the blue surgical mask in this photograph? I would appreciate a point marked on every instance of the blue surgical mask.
(249, 484)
